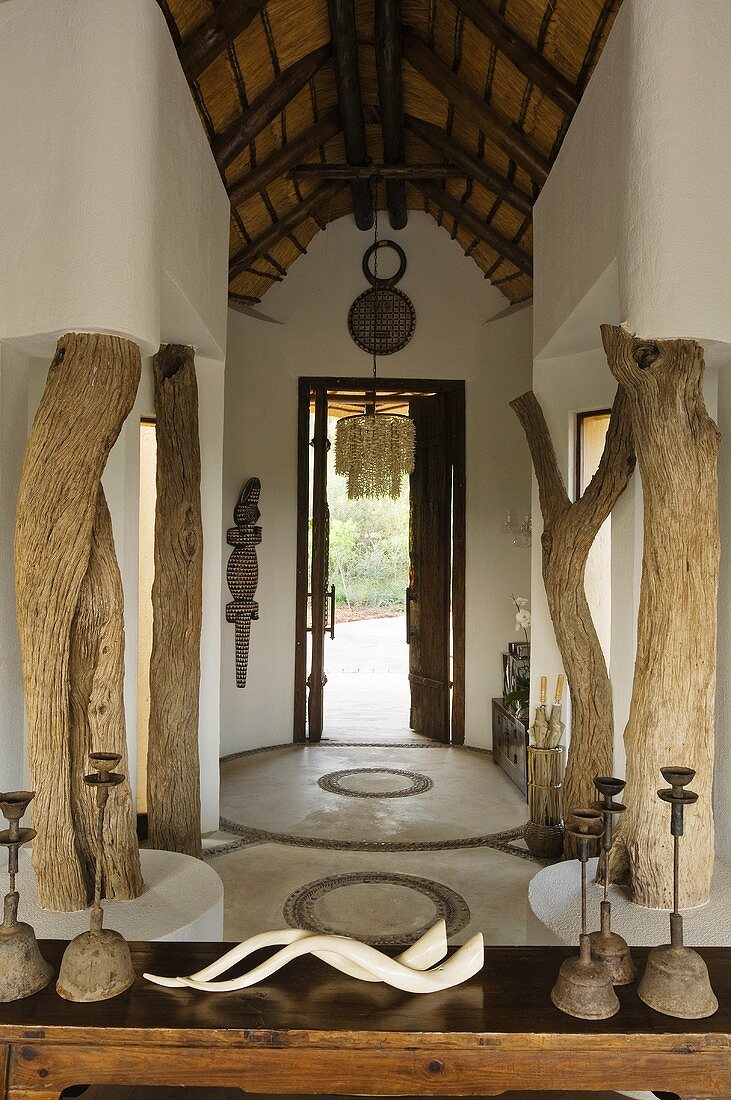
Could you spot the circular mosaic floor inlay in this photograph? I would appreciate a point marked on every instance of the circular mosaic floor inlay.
(375, 783)
(402, 907)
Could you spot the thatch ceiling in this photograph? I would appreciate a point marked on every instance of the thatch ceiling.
(480, 92)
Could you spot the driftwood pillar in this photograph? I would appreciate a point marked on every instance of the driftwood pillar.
(96, 696)
(671, 718)
(90, 389)
(173, 770)
(569, 531)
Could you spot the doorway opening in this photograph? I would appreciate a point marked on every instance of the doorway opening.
(145, 575)
(380, 653)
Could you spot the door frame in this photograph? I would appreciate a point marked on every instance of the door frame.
(456, 389)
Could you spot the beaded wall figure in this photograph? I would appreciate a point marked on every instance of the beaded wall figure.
(242, 572)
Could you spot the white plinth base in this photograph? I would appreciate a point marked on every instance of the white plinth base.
(183, 900)
(554, 898)
(554, 914)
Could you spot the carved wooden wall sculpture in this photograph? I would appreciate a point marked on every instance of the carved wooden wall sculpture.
(173, 769)
(242, 572)
(90, 390)
(671, 718)
(569, 530)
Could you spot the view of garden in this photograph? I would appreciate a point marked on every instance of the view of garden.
(369, 549)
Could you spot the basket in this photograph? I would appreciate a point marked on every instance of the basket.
(544, 841)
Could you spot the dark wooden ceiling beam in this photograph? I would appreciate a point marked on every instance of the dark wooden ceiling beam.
(378, 171)
(281, 228)
(347, 74)
(478, 228)
(219, 29)
(390, 94)
(525, 57)
(241, 132)
(284, 159)
(487, 118)
(471, 165)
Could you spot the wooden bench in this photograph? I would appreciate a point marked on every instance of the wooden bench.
(310, 1030)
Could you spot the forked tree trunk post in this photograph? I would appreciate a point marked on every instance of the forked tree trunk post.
(671, 718)
(90, 390)
(96, 682)
(569, 530)
(173, 769)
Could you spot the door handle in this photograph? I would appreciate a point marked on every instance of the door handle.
(330, 594)
(408, 615)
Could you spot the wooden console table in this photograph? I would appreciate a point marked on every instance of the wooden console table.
(309, 1030)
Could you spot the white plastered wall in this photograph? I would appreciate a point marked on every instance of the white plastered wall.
(113, 218)
(309, 336)
(634, 226)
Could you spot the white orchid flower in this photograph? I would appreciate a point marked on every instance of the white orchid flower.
(522, 619)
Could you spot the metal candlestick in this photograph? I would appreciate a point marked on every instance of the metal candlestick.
(609, 947)
(97, 964)
(23, 970)
(676, 980)
(583, 987)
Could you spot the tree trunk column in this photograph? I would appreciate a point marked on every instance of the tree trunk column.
(671, 718)
(569, 530)
(90, 390)
(173, 768)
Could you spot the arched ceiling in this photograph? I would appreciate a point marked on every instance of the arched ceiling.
(456, 107)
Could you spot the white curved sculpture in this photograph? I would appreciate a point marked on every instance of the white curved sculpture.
(413, 971)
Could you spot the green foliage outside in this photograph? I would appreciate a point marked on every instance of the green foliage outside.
(369, 548)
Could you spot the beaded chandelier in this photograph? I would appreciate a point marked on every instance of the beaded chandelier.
(374, 450)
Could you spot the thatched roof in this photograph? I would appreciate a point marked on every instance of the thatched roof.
(479, 91)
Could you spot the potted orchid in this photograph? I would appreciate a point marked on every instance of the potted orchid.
(518, 698)
(522, 615)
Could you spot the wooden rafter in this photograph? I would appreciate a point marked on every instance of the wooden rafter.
(471, 165)
(347, 73)
(378, 171)
(228, 145)
(284, 159)
(471, 221)
(281, 228)
(390, 94)
(218, 31)
(487, 118)
(525, 57)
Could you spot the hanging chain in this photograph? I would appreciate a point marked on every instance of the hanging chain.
(375, 270)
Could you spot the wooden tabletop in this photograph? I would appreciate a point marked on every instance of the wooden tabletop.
(510, 996)
(310, 1030)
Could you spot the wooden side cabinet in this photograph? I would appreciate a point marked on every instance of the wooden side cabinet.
(510, 745)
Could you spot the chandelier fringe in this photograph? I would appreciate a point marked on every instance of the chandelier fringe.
(374, 451)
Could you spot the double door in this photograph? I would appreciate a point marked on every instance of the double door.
(434, 595)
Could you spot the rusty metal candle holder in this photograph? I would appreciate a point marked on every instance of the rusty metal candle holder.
(23, 970)
(97, 964)
(609, 947)
(583, 987)
(676, 980)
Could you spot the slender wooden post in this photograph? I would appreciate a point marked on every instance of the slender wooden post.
(173, 767)
(90, 389)
(569, 531)
(96, 699)
(671, 718)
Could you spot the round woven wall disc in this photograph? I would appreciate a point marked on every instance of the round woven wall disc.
(389, 280)
(382, 320)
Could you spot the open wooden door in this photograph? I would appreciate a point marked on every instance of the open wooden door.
(428, 598)
(319, 567)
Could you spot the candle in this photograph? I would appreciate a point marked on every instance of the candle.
(544, 685)
(559, 687)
